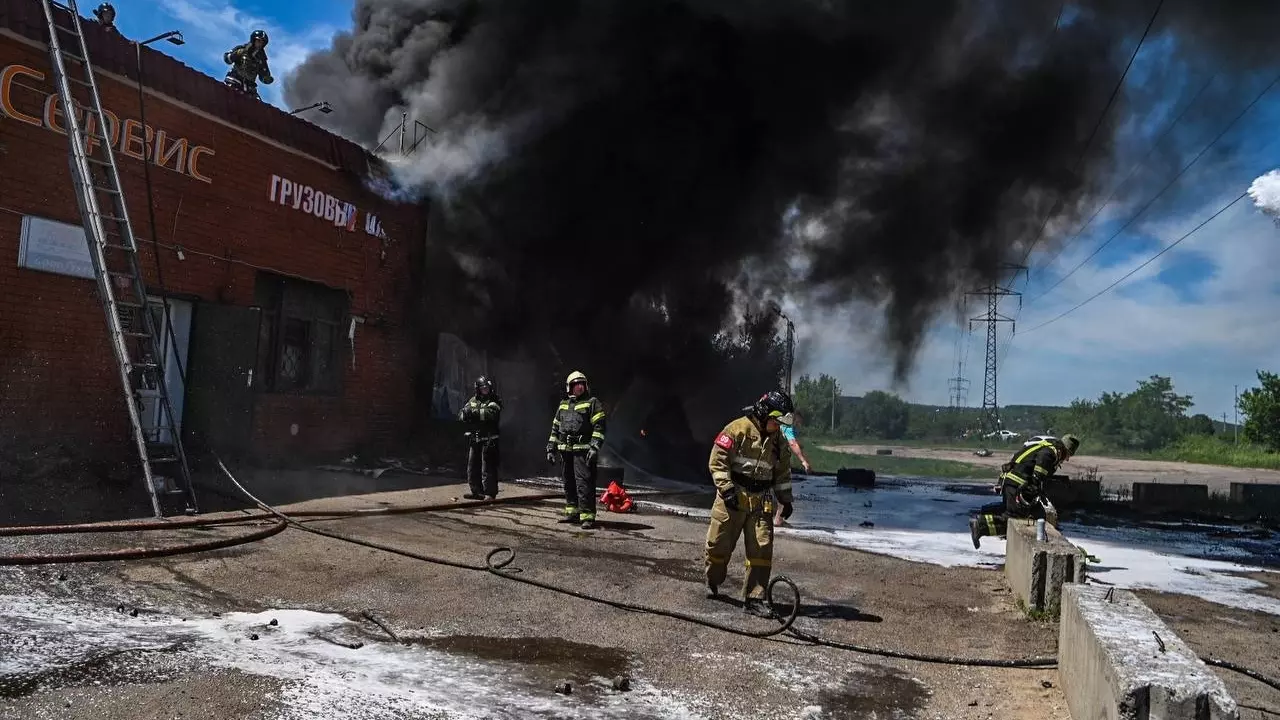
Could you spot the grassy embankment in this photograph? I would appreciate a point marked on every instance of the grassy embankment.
(1194, 449)
(828, 461)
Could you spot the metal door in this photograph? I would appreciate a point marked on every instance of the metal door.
(220, 396)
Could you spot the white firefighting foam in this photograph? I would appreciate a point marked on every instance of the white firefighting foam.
(321, 678)
(926, 521)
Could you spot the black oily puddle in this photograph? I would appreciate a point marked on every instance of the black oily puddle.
(119, 667)
(877, 691)
(686, 569)
(548, 661)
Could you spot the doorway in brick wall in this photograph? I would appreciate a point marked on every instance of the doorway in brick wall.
(176, 348)
(222, 381)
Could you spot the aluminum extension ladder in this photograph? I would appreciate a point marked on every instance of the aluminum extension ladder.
(113, 247)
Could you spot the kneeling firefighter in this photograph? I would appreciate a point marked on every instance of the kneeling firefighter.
(577, 434)
(750, 465)
(1022, 485)
(483, 415)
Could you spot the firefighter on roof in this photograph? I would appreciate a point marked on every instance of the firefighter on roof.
(106, 14)
(577, 434)
(482, 414)
(751, 466)
(1022, 484)
(249, 64)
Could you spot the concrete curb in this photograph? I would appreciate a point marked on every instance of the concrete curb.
(1118, 661)
(1036, 570)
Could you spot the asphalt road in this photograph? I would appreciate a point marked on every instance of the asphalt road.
(484, 646)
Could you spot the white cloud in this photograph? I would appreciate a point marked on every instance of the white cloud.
(213, 27)
(1207, 344)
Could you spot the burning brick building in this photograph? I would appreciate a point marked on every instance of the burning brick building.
(288, 283)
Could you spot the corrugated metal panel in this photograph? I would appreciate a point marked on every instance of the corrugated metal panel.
(166, 75)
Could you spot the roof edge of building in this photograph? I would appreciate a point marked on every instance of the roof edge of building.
(177, 83)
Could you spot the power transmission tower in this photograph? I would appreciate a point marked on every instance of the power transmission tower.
(993, 293)
(959, 387)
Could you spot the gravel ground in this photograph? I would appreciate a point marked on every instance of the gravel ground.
(540, 637)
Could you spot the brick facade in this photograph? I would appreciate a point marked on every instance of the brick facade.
(58, 381)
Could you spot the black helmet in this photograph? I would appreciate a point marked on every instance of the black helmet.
(259, 35)
(106, 13)
(775, 405)
(483, 382)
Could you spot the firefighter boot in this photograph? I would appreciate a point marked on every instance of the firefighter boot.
(757, 607)
(713, 592)
(975, 532)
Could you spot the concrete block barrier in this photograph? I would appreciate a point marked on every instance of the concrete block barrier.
(856, 477)
(1118, 661)
(1036, 570)
(1160, 496)
(1256, 496)
(1067, 494)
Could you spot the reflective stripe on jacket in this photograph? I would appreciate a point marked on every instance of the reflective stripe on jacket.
(1034, 464)
(578, 425)
(743, 456)
(483, 415)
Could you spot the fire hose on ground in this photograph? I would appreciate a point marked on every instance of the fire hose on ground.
(496, 563)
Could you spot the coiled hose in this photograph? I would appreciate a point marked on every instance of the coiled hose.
(496, 565)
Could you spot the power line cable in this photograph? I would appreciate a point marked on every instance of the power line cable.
(1132, 171)
(1150, 260)
(1163, 190)
(1084, 152)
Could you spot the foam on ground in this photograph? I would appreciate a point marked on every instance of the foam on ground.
(382, 680)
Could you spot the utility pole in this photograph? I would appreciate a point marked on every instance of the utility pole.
(791, 342)
(993, 293)
(833, 407)
(1237, 409)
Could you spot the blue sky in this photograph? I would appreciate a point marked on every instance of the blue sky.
(1205, 313)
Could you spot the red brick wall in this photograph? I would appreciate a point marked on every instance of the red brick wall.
(58, 382)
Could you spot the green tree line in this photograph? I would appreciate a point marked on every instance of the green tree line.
(1152, 418)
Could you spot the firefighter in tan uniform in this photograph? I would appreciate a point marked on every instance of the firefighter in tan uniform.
(751, 466)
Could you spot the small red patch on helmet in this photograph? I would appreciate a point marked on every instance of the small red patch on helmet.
(724, 441)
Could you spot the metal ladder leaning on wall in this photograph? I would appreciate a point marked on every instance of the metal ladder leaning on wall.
(113, 248)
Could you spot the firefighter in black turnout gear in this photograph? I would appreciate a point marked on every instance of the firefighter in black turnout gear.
(1022, 485)
(482, 414)
(577, 434)
(248, 65)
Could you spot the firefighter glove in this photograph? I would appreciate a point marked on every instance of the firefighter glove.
(592, 454)
(730, 499)
(787, 509)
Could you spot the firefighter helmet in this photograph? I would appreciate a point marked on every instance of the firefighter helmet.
(484, 383)
(259, 35)
(775, 405)
(1072, 444)
(106, 13)
(575, 377)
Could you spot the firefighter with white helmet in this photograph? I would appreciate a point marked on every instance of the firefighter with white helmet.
(577, 434)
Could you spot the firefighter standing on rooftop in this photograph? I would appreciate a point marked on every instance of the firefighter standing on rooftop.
(577, 434)
(483, 415)
(751, 466)
(249, 64)
(1022, 484)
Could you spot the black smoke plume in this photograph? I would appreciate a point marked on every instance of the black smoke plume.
(621, 179)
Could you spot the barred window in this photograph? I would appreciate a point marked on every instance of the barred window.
(298, 344)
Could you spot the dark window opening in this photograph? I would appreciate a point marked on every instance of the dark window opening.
(298, 347)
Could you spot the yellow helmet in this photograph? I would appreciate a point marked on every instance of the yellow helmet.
(575, 377)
